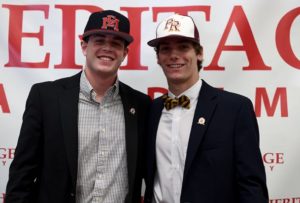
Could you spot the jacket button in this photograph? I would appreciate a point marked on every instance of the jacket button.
(72, 194)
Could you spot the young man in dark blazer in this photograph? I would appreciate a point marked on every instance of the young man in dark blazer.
(82, 137)
(203, 145)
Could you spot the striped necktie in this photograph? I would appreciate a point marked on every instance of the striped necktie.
(170, 103)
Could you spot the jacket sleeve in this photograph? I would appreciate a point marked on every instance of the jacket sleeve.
(251, 177)
(23, 172)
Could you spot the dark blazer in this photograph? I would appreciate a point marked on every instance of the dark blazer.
(223, 162)
(44, 168)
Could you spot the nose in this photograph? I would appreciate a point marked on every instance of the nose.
(174, 54)
(106, 46)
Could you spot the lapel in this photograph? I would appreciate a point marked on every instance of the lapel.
(68, 103)
(204, 109)
(131, 132)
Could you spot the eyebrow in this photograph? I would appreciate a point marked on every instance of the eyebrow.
(183, 41)
(103, 36)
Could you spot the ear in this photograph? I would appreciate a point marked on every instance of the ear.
(125, 53)
(83, 47)
(200, 56)
(158, 60)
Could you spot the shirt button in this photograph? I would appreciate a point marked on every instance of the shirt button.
(97, 199)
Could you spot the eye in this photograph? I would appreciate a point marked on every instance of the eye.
(99, 41)
(184, 47)
(117, 43)
(164, 49)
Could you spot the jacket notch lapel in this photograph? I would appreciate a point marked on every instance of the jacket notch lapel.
(131, 131)
(203, 113)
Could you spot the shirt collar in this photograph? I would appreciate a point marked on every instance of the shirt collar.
(192, 93)
(88, 91)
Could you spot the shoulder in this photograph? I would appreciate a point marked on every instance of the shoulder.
(233, 97)
(129, 91)
(49, 89)
(227, 97)
(158, 100)
(62, 82)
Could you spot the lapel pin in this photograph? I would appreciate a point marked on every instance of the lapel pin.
(132, 111)
(201, 121)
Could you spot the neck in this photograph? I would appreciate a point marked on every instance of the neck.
(179, 88)
(99, 82)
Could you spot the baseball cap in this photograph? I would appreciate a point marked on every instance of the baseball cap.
(176, 26)
(108, 22)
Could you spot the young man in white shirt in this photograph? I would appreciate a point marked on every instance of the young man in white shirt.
(203, 144)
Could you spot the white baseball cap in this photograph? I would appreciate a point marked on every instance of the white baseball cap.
(176, 26)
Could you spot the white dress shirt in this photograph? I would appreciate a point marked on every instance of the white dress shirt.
(171, 146)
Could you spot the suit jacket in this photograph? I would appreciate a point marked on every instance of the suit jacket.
(44, 168)
(223, 162)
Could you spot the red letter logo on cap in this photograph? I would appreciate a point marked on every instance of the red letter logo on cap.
(110, 21)
(172, 25)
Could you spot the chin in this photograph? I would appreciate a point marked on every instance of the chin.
(175, 77)
(175, 80)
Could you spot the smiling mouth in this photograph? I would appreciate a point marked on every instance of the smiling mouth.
(105, 58)
(175, 65)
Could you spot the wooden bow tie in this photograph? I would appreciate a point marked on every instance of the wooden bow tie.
(170, 103)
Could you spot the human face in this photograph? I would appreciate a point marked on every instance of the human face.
(178, 59)
(104, 54)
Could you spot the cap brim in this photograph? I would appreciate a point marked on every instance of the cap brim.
(128, 38)
(157, 41)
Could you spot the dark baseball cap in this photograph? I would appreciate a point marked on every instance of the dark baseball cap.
(108, 22)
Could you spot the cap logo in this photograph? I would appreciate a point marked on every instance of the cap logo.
(172, 25)
(110, 21)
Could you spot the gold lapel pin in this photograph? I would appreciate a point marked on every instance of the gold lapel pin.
(132, 111)
(201, 121)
